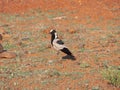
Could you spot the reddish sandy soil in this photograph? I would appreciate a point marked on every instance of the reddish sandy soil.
(81, 12)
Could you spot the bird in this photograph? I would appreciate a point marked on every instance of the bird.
(58, 44)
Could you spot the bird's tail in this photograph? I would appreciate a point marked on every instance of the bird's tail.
(73, 57)
(67, 51)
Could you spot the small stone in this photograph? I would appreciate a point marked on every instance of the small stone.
(19, 43)
(49, 46)
(96, 88)
(59, 18)
(15, 83)
(8, 55)
(46, 31)
(25, 38)
(50, 62)
(72, 31)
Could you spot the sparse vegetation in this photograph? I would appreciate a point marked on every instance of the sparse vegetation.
(8, 46)
(93, 38)
(84, 65)
(112, 75)
(95, 88)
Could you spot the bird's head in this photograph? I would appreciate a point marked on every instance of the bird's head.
(52, 31)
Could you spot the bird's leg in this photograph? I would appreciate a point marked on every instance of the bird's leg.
(58, 52)
(59, 59)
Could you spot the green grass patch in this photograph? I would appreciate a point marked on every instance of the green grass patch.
(95, 28)
(82, 50)
(8, 46)
(73, 75)
(112, 74)
(84, 65)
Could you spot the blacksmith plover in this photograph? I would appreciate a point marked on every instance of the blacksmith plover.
(58, 44)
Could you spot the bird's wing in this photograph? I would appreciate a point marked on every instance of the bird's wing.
(57, 44)
(66, 50)
(60, 42)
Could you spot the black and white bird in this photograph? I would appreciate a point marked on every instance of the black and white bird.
(58, 44)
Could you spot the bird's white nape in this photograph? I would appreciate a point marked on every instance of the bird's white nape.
(56, 36)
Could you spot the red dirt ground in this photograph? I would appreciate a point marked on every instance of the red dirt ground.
(85, 7)
(107, 9)
(92, 8)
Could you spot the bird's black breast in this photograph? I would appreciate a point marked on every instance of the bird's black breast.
(52, 38)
